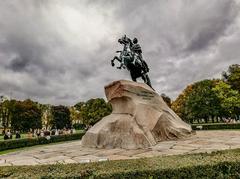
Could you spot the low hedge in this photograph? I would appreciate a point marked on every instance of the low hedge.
(225, 164)
(79, 126)
(18, 143)
(216, 126)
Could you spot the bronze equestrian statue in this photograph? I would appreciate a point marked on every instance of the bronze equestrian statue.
(130, 58)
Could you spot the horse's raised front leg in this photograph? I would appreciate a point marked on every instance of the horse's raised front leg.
(112, 61)
(115, 58)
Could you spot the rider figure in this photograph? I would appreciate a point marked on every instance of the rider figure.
(136, 48)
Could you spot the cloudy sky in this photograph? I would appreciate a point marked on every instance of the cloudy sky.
(59, 52)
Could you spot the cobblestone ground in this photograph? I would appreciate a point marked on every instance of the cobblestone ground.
(73, 152)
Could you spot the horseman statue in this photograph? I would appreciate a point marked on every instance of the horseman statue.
(130, 58)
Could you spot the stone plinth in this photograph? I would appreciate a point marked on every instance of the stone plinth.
(140, 119)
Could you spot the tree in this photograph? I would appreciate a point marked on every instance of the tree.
(93, 110)
(25, 115)
(76, 118)
(202, 102)
(47, 116)
(61, 117)
(75, 115)
(198, 101)
(5, 111)
(79, 106)
(232, 76)
(167, 99)
(178, 106)
(230, 99)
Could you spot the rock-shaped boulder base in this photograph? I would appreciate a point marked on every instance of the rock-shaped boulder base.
(140, 119)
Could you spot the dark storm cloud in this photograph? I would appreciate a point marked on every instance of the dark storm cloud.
(212, 28)
(18, 64)
(59, 51)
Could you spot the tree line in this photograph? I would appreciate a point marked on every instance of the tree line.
(29, 115)
(211, 100)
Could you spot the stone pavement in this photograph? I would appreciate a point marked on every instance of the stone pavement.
(73, 152)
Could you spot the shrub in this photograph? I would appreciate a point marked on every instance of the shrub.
(216, 126)
(12, 144)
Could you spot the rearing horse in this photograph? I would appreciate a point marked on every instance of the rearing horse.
(132, 62)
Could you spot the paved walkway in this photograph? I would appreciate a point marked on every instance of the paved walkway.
(73, 152)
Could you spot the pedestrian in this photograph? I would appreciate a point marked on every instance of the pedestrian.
(38, 133)
(42, 133)
(57, 132)
(18, 136)
(74, 131)
(9, 134)
(5, 136)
